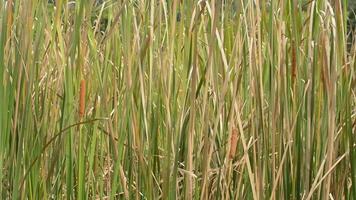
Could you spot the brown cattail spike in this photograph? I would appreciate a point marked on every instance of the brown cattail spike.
(294, 64)
(233, 143)
(82, 99)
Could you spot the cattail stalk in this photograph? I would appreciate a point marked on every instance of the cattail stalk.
(81, 167)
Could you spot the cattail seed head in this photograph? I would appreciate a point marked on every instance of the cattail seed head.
(82, 99)
(233, 143)
(294, 64)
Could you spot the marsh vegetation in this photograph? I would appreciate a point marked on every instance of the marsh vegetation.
(156, 99)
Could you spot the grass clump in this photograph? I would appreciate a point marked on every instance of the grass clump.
(177, 100)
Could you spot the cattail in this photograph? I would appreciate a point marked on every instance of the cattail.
(233, 143)
(294, 64)
(82, 99)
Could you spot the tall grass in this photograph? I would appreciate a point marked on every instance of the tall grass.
(130, 99)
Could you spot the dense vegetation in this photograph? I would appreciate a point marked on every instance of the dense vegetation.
(209, 99)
